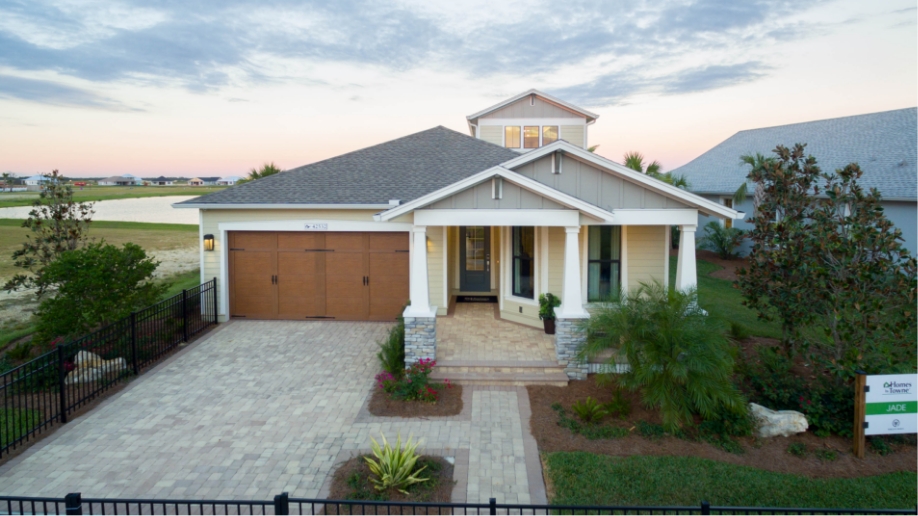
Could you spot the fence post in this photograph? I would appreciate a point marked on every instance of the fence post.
(62, 384)
(705, 507)
(492, 505)
(215, 300)
(74, 503)
(134, 362)
(282, 503)
(184, 315)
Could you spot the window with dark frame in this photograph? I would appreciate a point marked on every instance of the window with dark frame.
(512, 137)
(604, 263)
(523, 247)
(531, 137)
(728, 223)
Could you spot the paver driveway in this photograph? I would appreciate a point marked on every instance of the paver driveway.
(262, 407)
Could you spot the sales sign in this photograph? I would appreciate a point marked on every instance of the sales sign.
(891, 404)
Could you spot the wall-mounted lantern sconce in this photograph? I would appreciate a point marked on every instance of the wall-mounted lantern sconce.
(208, 242)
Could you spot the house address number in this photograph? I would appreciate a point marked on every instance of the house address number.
(317, 227)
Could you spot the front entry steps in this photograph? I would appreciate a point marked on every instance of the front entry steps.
(500, 372)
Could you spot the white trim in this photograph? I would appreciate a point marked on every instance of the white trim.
(667, 239)
(300, 225)
(446, 267)
(201, 244)
(571, 297)
(552, 121)
(708, 206)
(277, 206)
(419, 279)
(517, 179)
(494, 263)
(624, 260)
(489, 217)
(538, 93)
(652, 217)
(584, 266)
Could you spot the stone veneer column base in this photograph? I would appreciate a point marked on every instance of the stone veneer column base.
(569, 339)
(420, 339)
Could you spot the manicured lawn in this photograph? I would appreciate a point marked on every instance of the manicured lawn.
(102, 193)
(724, 302)
(151, 237)
(580, 478)
(185, 280)
(16, 423)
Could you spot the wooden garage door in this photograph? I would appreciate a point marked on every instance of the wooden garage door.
(341, 276)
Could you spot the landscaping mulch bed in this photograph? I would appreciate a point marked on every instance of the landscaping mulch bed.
(449, 404)
(351, 481)
(768, 454)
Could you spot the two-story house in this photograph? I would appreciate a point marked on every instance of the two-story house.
(516, 209)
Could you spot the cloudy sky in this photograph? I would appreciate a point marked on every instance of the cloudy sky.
(183, 87)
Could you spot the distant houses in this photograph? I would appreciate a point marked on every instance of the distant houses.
(36, 180)
(122, 180)
(203, 181)
(161, 181)
(228, 180)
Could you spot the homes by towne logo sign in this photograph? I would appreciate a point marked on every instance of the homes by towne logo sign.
(891, 404)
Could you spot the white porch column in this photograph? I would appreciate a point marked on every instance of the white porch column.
(418, 290)
(686, 272)
(571, 298)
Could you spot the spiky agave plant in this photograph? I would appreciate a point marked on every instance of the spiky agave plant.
(395, 467)
(677, 357)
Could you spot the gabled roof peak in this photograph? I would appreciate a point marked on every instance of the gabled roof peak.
(590, 116)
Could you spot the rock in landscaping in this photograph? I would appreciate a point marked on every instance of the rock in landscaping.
(91, 367)
(772, 423)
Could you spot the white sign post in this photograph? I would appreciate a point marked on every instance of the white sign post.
(884, 404)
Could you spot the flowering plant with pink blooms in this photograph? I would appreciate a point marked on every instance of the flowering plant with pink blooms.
(413, 385)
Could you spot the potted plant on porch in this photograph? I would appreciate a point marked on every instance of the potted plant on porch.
(547, 304)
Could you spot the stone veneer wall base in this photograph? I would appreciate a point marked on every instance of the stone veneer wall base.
(420, 339)
(569, 339)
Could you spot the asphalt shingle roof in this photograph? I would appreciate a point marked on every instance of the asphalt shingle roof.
(405, 169)
(884, 145)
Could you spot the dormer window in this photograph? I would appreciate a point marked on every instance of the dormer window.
(512, 137)
(549, 134)
(531, 137)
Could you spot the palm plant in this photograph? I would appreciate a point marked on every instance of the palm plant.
(635, 161)
(268, 169)
(677, 357)
(395, 467)
(721, 239)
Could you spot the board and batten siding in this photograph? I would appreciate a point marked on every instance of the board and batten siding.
(556, 237)
(573, 134)
(480, 197)
(647, 255)
(539, 109)
(491, 134)
(595, 186)
(436, 258)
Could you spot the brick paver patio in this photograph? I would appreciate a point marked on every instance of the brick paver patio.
(473, 333)
(261, 407)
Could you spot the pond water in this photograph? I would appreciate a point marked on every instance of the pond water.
(147, 209)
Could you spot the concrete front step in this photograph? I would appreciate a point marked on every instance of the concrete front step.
(496, 372)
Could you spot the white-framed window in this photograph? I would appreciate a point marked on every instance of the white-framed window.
(512, 137)
(728, 202)
(529, 136)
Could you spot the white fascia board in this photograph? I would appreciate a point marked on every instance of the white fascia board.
(537, 93)
(707, 206)
(490, 217)
(531, 121)
(319, 225)
(654, 217)
(517, 179)
(214, 206)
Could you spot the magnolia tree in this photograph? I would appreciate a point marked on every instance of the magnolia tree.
(824, 256)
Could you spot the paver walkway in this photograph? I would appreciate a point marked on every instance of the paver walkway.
(472, 333)
(262, 407)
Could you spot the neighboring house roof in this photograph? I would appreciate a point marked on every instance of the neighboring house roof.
(884, 145)
(36, 178)
(405, 168)
(230, 178)
(590, 116)
(117, 179)
(205, 179)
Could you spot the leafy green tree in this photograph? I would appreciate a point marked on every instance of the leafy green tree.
(863, 281)
(57, 224)
(675, 355)
(94, 286)
(8, 178)
(268, 169)
(721, 239)
(776, 282)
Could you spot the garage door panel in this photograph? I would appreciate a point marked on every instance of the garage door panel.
(388, 285)
(388, 242)
(345, 292)
(291, 240)
(298, 288)
(254, 295)
(252, 240)
(345, 241)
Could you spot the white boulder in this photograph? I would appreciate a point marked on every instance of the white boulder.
(90, 367)
(772, 423)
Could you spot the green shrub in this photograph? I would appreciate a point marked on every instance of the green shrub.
(677, 357)
(738, 331)
(797, 449)
(391, 354)
(414, 384)
(589, 410)
(547, 304)
(826, 455)
(879, 445)
(720, 430)
(722, 240)
(394, 468)
(591, 432)
(20, 351)
(619, 406)
(651, 430)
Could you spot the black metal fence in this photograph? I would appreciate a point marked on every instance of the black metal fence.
(45, 391)
(74, 503)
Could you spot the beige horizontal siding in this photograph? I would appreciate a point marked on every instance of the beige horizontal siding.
(646, 255)
(491, 133)
(556, 238)
(436, 255)
(574, 134)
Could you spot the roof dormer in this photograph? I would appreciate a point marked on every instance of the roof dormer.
(531, 120)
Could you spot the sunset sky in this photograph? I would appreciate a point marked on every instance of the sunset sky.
(96, 88)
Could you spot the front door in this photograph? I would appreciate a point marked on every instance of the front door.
(475, 258)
